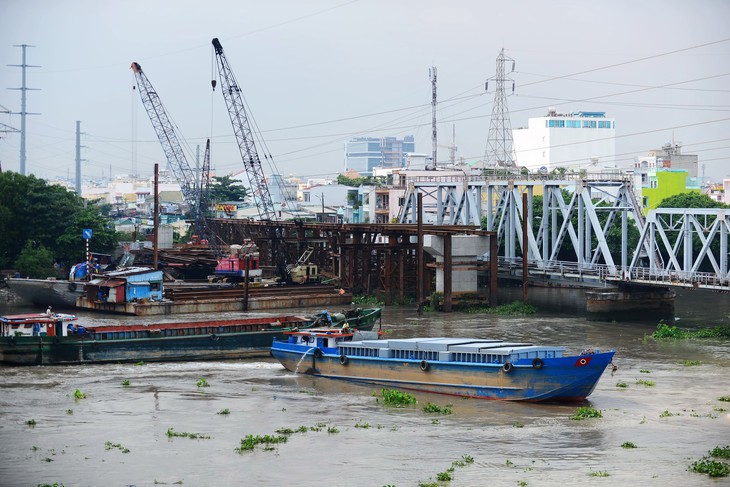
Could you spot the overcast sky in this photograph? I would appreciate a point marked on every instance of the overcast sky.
(316, 73)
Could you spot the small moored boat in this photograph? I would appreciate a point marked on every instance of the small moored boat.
(358, 318)
(50, 339)
(467, 367)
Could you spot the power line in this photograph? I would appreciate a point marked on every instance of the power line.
(624, 63)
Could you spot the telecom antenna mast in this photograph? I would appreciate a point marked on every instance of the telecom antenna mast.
(434, 102)
(185, 175)
(499, 140)
(241, 127)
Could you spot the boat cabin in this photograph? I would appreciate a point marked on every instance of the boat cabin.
(328, 337)
(38, 324)
(135, 284)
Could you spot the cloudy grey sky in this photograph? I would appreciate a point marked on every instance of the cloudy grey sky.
(316, 73)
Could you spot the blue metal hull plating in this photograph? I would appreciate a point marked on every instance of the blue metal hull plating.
(557, 379)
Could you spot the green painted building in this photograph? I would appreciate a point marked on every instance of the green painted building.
(666, 183)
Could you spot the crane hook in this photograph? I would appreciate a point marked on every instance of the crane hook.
(213, 83)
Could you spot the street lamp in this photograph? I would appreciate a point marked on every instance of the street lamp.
(322, 198)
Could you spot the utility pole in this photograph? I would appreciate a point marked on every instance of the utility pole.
(322, 207)
(78, 157)
(23, 111)
(434, 102)
(499, 140)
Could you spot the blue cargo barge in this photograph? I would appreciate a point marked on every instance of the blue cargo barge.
(467, 367)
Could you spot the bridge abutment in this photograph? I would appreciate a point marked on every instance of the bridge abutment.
(630, 304)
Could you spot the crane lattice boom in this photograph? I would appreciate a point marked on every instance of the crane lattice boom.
(241, 127)
(165, 130)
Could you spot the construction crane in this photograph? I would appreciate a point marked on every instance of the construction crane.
(251, 161)
(242, 128)
(204, 199)
(190, 187)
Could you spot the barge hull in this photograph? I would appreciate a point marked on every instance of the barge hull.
(558, 380)
(84, 349)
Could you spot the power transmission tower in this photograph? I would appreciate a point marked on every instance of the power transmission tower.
(434, 102)
(499, 141)
(23, 112)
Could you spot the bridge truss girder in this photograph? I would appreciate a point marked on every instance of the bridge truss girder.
(674, 231)
(451, 202)
(577, 219)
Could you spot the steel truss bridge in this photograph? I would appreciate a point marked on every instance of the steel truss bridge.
(582, 229)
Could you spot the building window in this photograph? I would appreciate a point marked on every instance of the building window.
(645, 202)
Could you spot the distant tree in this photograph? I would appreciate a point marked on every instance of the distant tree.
(51, 217)
(361, 181)
(225, 188)
(70, 244)
(36, 261)
(691, 200)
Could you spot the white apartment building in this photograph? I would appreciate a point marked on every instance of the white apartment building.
(578, 140)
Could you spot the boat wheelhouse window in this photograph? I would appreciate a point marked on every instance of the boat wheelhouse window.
(154, 286)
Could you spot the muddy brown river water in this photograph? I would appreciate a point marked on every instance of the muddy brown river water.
(116, 436)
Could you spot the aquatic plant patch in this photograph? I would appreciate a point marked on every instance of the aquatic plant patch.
(692, 363)
(724, 398)
(202, 382)
(720, 452)
(125, 382)
(665, 331)
(108, 445)
(645, 383)
(79, 395)
(448, 475)
(713, 468)
(622, 384)
(396, 398)
(249, 442)
(599, 473)
(511, 309)
(586, 412)
(628, 444)
(171, 433)
(435, 408)
(224, 412)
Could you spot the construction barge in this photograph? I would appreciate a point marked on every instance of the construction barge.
(221, 299)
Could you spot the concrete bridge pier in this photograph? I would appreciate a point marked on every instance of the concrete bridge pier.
(631, 303)
(456, 263)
